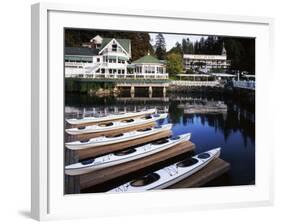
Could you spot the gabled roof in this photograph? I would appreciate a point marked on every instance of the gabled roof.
(97, 38)
(81, 51)
(147, 59)
(125, 43)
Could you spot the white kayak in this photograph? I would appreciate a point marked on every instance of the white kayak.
(124, 156)
(108, 140)
(170, 175)
(115, 125)
(110, 117)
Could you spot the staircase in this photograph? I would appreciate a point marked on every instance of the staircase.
(91, 69)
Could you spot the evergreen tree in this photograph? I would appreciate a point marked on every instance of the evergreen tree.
(190, 48)
(196, 47)
(202, 49)
(184, 46)
(177, 49)
(160, 47)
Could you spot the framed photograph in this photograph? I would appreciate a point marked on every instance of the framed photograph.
(162, 111)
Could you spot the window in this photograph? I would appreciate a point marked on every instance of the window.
(114, 47)
(98, 59)
(112, 60)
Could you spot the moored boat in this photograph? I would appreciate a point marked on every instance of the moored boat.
(110, 117)
(123, 156)
(169, 175)
(108, 140)
(115, 125)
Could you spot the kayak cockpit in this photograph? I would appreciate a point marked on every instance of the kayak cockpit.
(204, 155)
(148, 117)
(84, 140)
(145, 129)
(106, 124)
(81, 128)
(187, 162)
(125, 152)
(87, 161)
(128, 121)
(175, 138)
(145, 180)
(115, 136)
(160, 142)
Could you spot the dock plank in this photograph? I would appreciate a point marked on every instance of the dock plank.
(93, 152)
(101, 176)
(213, 170)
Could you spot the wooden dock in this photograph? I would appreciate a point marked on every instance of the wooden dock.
(96, 151)
(105, 179)
(213, 170)
(101, 176)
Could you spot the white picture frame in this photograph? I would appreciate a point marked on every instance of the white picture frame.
(48, 200)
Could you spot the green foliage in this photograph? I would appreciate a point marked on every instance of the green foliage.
(174, 64)
(140, 41)
(177, 49)
(241, 51)
(187, 46)
(160, 47)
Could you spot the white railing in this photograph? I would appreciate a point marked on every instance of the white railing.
(245, 84)
(91, 74)
(151, 75)
(195, 83)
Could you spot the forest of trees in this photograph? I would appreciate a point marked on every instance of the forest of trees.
(241, 51)
(140, 41)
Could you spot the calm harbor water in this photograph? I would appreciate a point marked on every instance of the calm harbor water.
(213, 119)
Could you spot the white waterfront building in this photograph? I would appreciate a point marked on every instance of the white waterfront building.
(149, 67)
(109, 58)
(205, 63)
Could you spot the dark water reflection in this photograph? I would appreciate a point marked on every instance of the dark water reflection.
(232, 129)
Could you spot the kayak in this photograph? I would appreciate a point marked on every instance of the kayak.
(170, 175)
(109, 126)
(124, 156)
(110, 117)
(108, 140)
